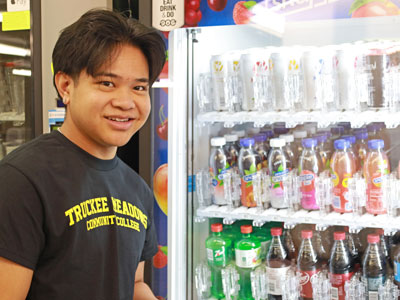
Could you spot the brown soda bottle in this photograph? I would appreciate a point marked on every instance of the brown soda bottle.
(307, 265)
(341, 265)
(277, 265)
(290, 248)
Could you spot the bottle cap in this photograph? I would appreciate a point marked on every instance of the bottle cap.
(218, 141)
(337, 130)
(341, 144)
(239, 133)
(276, 231)
(300, 134)
(280, 130)
(309, 143)
(306, 234)
(339, 236)
(260, 137)
(246, 142)
(320, 137)
(275, 143)
(246, 229)
(350, 138)
(361, 135)
(268, 132)
(216, 227)
(376, 144)
(289, 138)
(373, 238)
(231, 137)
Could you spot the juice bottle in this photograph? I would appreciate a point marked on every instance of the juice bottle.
(323, 150)
(249, 163)
(373, 267)
(232, 149)
(219, 165)
(247, 257)
(361, 147)
(278, 170)
(219, 255)
(352, 140)
(289, 150)
(376, 168)
(259, 147)
(341, 266)
(277, 265)
(307, 265)
(343, 167)
(310, 165)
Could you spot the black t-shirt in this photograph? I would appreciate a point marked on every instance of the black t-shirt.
(80, 223)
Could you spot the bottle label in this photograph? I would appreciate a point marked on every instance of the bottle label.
(217, 182)
(307, 179)
(277, 179)
(375, 204)
(248, 258)
(341, 201)
(276, 277)
(397, 271)
(338, 281)
(305, 282)
(373, 283)
(217, 257)
(246, 187)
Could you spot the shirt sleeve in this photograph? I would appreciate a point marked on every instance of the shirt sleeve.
(21, 227)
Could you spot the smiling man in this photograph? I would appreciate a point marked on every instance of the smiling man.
(76, 222)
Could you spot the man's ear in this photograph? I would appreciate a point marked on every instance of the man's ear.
(64, 83)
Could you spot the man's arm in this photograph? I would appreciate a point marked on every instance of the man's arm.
(15, 280)
(142, 290)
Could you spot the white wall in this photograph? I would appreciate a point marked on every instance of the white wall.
(57, 14)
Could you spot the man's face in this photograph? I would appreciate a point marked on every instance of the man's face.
(105, 110)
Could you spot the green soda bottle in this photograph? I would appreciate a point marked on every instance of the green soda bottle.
(247, 254)
(233, 234)
(264, 237)
(219, 253)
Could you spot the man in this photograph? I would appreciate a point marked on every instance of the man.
(75, 221)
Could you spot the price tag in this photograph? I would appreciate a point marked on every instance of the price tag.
(168, 14)
(18, 5)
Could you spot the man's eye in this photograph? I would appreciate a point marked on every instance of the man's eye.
(140, 88)
(107, 83)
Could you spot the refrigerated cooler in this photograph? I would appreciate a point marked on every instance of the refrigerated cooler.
(313, 78)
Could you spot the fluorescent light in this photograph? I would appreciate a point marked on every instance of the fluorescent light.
(22, 72)
(12, 50)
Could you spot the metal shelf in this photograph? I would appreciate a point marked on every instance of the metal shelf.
(324, 119)
(301, 216)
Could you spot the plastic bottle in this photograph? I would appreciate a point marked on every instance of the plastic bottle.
(376, 168)
(219, 165)
(277, 265)
(385, 250)
(261, 149)
(247, 257)
(361, 147)
(232, 149)
(343, 167)
(289, 150)
(377, 131)
(341, 265)
(352, 140)
(323, 149)
(278, 170)
(264, 237)
(219, 251)
(373, 266)
(233, 234)
(290, 248)
(299, 135)
(310, 165)
(356, 249)
(307, 265)
(320, 247)
(249, 163)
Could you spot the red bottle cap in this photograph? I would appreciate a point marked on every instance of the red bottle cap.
(339, 236)
(306, 234)
(216, 227)
(246, 229)
(373, 238)
(276, 231)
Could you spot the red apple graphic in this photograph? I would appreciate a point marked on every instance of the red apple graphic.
(373, 8)
(242, 12)
(160, 187)
(217, 5)
(160, 260)
(162, 128)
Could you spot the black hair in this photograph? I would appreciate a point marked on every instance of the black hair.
(91, 41)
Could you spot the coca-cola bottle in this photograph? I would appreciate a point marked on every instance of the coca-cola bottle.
(307, 265)
(277, 265)
(341, 266)
(373, 266)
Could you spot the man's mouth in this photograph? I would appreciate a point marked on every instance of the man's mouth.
(119, 119)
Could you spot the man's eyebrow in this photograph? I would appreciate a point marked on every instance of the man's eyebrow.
(112, 75)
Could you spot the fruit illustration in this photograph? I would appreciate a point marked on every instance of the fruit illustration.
(373, 8)
(242, 12)
(160, 260)
(192, 13)
(217, 5)
(160, 187)
(162, 128)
